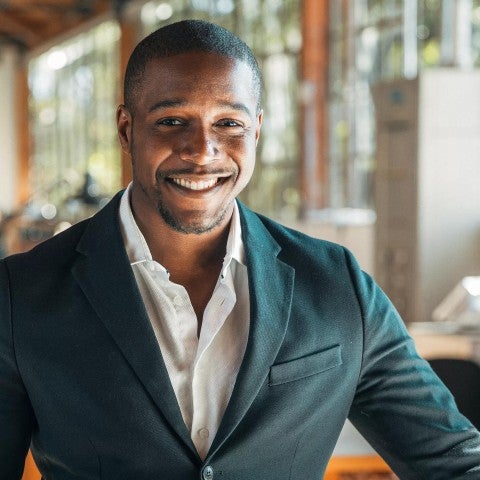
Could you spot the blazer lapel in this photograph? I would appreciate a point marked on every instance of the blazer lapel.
(271, 288)
(105, 276)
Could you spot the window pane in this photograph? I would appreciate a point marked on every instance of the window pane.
(371, 40)
(73, 95)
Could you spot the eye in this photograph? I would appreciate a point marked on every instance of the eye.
(228, 122)
(169, 122)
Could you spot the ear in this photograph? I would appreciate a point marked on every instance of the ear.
(258, 126)
(124, 128)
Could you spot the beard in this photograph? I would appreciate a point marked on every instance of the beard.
(194, 226)
(196, 223)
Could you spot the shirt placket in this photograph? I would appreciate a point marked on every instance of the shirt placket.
(186, 344)
(207, 391)
(178, 326)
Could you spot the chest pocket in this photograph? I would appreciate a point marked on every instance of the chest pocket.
(305, 366)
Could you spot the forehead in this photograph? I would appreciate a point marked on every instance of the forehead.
(197, 75)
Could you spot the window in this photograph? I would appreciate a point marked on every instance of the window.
(373, 40)
(73, 95)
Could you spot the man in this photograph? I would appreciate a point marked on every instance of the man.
(179, 335)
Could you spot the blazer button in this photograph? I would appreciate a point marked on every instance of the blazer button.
(208, 473)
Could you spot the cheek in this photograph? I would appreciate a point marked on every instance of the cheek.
(147, 157)
(247, 162)
(244, 148)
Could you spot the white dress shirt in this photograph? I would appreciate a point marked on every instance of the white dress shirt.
(202, 370)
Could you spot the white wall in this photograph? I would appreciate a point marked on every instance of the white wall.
(8, 129)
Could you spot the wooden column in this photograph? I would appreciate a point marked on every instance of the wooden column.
(23, 132)
(314, 71)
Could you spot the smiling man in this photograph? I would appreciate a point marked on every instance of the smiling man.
(191, 132)
(191, 122)
(179, 335)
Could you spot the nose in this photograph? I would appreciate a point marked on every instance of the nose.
(199, 147)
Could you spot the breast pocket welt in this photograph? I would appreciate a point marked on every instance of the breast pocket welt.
(305, 366)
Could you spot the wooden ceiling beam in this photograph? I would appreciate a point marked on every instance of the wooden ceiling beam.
(31, 23)
(18, 31)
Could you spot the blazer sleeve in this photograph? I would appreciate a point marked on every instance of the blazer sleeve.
(401, 407)
(15, 410)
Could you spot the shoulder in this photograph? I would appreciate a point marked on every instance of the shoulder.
(295, 246)
(50, 252)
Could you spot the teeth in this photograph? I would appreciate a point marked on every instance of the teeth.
(192, 185)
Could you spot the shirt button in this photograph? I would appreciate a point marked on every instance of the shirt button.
(203, 433)
(178, 301)
(208, 473)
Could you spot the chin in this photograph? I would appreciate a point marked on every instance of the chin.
(192, 225)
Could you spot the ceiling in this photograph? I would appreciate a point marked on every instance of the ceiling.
(30, 23)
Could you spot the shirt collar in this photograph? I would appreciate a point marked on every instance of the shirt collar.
(137, 248)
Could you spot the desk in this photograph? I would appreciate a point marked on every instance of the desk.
(445, 340)
(358, 468)
(30, 472)
(354, 459)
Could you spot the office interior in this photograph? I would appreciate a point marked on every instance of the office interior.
(371, 139)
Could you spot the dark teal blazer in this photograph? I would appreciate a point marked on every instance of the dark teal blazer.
(83, 382)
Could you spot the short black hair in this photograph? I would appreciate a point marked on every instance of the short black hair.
(182, 37)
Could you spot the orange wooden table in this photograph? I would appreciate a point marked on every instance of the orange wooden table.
(30, 472)
(361, 467)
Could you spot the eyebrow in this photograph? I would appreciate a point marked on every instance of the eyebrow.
(165, 104)
(236, 106)
(241, 107)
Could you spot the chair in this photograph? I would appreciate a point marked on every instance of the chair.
(462, 377)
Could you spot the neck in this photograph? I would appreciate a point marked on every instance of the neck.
(179, 251)
(185, 252)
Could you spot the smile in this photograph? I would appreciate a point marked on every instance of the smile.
(195, 185)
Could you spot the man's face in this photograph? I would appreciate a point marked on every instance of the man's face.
(192, 139)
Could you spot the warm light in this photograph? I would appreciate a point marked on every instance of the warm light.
(47, 116)
(225, 7)
(152, 13)
(48, 211)
(472, 285)
(148, 13)
(57, 59)
(164, 11)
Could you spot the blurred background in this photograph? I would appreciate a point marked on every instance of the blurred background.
(371, 134)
